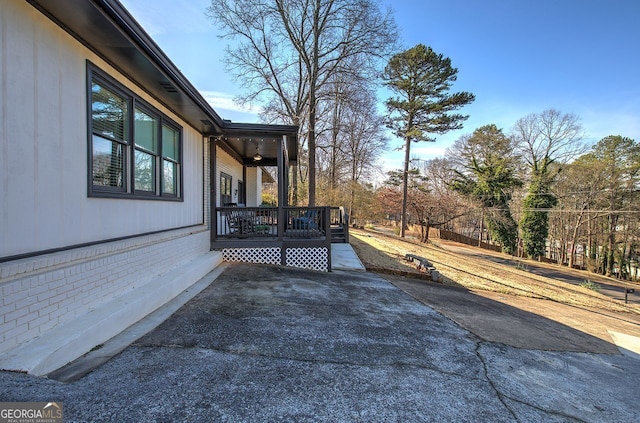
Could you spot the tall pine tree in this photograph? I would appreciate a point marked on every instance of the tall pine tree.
(420, 80)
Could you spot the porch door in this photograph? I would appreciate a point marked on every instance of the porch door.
(241, 193)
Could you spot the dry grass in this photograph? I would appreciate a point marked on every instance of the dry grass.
(380, 251)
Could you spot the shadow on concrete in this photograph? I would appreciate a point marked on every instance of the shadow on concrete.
(499, 322)
(293, 314)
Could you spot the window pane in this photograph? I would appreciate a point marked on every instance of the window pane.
(170, 173)
(170, 143)
(225, 189)
(145, 172)
(108, 113)
(146, 131)
(225, 185)
(108, 160)
(135, 150)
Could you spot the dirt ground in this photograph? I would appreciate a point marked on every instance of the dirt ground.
(484, 270)
(497, 281)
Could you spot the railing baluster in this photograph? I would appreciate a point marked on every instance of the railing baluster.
(264, 222)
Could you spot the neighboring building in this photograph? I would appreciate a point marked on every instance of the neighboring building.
(106, 178)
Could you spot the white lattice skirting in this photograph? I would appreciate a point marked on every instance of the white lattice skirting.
(269, 255)
(316, 258)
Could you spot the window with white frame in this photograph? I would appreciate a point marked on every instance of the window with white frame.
(135, 151)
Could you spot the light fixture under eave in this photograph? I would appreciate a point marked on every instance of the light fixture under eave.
(257, 157)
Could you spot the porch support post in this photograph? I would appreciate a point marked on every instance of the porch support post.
(213, 192)
(243, 199)
(284, 155)
(326, 224)
(282, 197)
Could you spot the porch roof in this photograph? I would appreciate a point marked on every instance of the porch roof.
(107, 28)
(248, 139)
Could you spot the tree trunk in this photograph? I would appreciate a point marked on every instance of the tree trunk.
(481, 229)
(611, 245)
(405, 186)
(574, 239)
(427, 225)
(624, 258)
(294, 186)
(352, 191)
(312, 152)
(335, 130)
(313, 103)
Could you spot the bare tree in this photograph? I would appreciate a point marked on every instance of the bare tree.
(578, 188)
(288, 50)
(428, 209)
(620, 158)
(440, 173)
(544, 139)
(548, 137)
(350, 141)
(364, 142)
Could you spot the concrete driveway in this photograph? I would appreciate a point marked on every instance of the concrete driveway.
(264, 344)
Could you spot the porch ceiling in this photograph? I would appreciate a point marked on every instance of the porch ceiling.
(248, 139)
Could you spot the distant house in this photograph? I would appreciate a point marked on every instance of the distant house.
(120, 185)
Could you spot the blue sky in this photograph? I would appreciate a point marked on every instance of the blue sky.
(517, 57)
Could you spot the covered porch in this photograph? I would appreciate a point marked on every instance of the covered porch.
(270, 234)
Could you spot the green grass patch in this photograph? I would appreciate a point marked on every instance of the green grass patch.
(590, 285)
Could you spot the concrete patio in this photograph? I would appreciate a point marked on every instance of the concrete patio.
(266, 343)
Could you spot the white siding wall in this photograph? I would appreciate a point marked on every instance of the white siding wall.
(44, 203)
(226, 164)
(206, 169)
(253, 184)
(43, 151)
(254, 195)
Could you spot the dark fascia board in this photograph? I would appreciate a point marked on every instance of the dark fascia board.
(260, 127)
(81, 18)
(146, 43)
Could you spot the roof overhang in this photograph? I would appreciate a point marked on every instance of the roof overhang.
(267, 178)
(108, 29)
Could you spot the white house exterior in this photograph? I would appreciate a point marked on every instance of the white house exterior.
(105, 179)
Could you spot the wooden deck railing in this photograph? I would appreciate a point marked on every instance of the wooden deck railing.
(272, 222)
(246, 222)
(298, 236)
